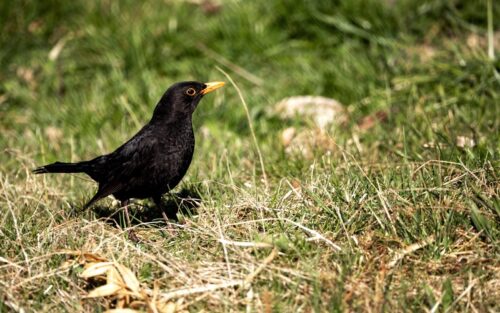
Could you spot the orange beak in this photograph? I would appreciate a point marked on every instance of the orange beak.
(211, 87)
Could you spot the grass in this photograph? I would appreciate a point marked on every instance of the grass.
(414, 211)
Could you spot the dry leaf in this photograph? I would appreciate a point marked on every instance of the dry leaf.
(104, 291)
(91, 257)
(96, 269)
(113, 277)
(129, 278)
(124, 289)
(137, 304)
(168, 307)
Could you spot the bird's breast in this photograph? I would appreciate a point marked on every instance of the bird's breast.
(173, 160)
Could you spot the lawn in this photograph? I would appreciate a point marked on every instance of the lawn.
(391, 206)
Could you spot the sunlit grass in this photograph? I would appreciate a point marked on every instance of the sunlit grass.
(407, 187)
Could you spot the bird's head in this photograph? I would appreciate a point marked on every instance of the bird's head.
(181, 99)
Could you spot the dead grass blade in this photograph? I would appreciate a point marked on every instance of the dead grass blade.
(248, 280)
(246, 244)
(200, 289)
(250, 125)
(410, 249)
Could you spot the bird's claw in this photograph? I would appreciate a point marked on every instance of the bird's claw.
(132, 236)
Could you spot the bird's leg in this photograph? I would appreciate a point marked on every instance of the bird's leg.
(125, 204)
(159, 206)
(131, 234)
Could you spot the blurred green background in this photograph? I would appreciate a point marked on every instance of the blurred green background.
(95, 69)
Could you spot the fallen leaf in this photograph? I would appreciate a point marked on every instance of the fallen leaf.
(96, 269)
(168, 307)
(104, 291)
(113, 277)
(129, 278)
(91, 257)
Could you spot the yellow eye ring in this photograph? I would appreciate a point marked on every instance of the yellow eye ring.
(190, 92)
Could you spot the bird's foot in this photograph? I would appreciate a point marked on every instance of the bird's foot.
(169, 227)
(165, 217)
(132, 236)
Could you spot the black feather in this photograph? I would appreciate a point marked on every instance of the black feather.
(153, 161)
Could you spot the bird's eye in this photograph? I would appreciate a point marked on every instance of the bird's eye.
(190, 92)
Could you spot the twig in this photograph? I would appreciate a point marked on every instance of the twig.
(316, 235)
(10, 263)
(226, 257)
(246, 244)
(467, 290)
(245, 283)
(194, 290)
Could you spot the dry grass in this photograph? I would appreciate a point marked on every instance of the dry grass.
(392, 206)
(219, 261)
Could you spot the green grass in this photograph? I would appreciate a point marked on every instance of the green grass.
(403, 185)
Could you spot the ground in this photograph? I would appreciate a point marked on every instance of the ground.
(393, 206)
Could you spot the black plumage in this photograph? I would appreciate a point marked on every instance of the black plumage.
(153, 161)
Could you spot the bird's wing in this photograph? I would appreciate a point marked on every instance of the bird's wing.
(129, 164)
(103, 192)
(119, 168)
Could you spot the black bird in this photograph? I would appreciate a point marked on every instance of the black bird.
(153, 161)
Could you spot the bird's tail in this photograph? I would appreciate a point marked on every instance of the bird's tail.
(60, 167)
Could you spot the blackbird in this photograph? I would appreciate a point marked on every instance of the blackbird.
(153, 161)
